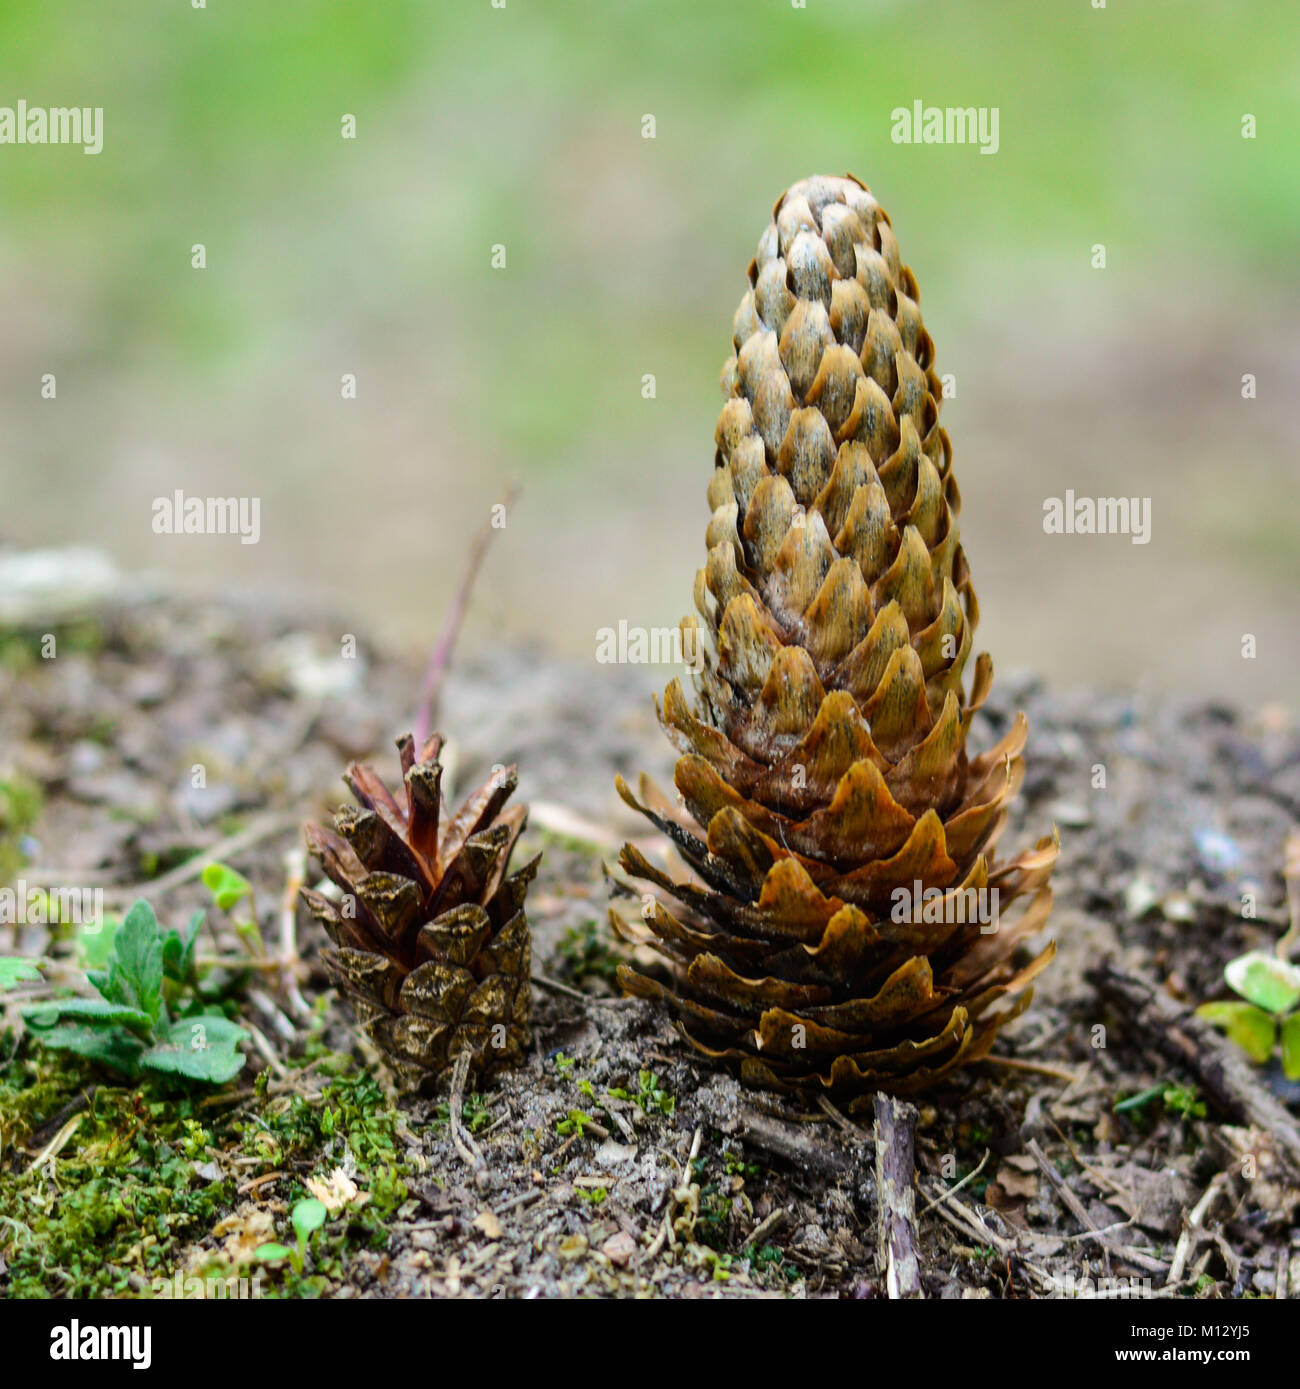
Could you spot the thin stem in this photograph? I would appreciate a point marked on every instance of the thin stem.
(440, 657)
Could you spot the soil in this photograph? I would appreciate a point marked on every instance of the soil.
(613, 1163)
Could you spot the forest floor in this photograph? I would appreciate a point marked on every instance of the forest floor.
(1097, 1151)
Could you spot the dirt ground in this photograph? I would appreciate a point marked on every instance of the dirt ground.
(613, 1164)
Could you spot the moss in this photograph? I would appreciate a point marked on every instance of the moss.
(585, 951)
(122, 1202)
(103, 1216)
(768, 1267)
(309, 1134)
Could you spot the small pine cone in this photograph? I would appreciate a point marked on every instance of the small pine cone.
(431, 942)
(825, 770)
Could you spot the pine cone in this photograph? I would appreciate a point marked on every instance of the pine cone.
(432, 945)
(827, 763)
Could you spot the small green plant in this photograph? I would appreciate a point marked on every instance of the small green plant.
(307, 1216)
(714, 1223)
(768, 1264)
(1270, 989)
(1177, 1099)
(576, 1122)
(475, 1114)
(650, 1096)
(149, 1017)
(735, 1165)
(17, 971)
(229, 889)
(1183, 1099)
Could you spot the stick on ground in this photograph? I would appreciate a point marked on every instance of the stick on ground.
(1194, 1226)
(1076, 1208)
(803, 1146)
(896, 1244)
(460, 1135)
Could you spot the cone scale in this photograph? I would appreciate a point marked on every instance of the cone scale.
(834, 843)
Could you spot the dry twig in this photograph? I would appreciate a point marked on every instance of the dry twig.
(957, 1186)
(1194, 1226)
(791, 1143)
(1076, 1208)
(896, 1242)
(569, 992)
(460, 1136)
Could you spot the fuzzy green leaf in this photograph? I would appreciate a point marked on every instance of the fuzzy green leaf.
(95, 942)
(45, 1015)
(271, 1253)
(1253, 1030)
(136, 972)
(1291, 1047)
(178, 951)
(1265, 981)
(14, 971)
(110, 1046)
(191, 946)
(199, 1048)
(173, 950)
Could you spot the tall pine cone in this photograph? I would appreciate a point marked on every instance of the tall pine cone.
(431, 942)
(825, 772)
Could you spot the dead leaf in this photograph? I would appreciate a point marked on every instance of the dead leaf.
(612, 1153)
(243, 1231)
(489, 1224)
(339, 1191)
(1017, 1185)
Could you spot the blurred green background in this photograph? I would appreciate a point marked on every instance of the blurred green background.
(627, 256)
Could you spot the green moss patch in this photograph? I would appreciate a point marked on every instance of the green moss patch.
(109, 1190)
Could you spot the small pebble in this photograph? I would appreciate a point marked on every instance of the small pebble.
(619, 1248)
